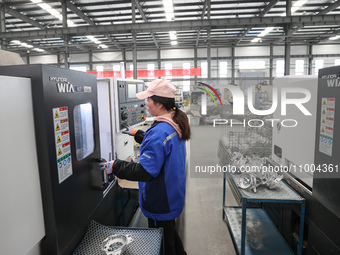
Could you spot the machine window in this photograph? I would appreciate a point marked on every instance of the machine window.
(83, 127)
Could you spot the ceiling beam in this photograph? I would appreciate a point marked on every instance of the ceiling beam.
(323, 12)
(21, 16)
(78, 12)
(146, 27)
(262, 14)
(202, 17)
(141, 12)
(81, 15)
(330, 8)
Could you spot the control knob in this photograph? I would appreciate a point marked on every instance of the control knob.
(124, 115)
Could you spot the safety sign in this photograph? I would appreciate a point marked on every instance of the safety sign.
(327, 125)
(62, 143)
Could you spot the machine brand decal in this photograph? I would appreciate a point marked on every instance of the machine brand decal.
(58, 79)
(64, 86)
(327, 125)
(62, 142)
(333, 81)
(87, 89)
(82, 89)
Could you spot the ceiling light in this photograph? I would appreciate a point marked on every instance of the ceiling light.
(296, 6)
(53, 12)
(169, 10)
(38, 50)
(256, 39)
(172, 35)
(96, 41)
(71, 24)
(17, 42)
(173, 42)
(26, 45)
(334, 38)
(44, 6)
(266, 31)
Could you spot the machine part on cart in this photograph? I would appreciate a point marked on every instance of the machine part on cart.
(255, 179)
(116, 244)
(273, 181)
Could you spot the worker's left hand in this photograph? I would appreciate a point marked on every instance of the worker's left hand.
(129, 131)
(107, 166)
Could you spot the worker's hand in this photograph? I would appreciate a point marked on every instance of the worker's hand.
(107, 166)
(129, 131)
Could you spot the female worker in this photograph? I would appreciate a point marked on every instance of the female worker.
(161, 169)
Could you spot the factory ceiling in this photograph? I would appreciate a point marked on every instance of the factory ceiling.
(80, 26)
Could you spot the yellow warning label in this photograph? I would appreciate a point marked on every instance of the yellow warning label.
(57, 128)
(323, 112)
(323, 121)
(59, 152)
(324, 102)
(323, 130)
(56, 116)
(58, 140)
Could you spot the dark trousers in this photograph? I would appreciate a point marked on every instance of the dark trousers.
(172, 241)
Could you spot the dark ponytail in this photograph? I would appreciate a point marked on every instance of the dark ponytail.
(180, 118)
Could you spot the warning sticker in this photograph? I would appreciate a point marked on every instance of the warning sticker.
(62, 142)
(327, 125)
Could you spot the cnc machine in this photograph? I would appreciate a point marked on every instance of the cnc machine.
(50, 152)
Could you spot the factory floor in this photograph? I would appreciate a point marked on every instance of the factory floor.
(200, 225)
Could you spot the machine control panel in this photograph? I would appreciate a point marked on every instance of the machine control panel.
(131, 110)
(132, 113)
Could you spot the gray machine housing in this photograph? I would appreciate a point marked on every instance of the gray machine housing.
(68, 205)
(322, 222)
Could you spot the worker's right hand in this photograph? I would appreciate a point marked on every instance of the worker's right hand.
(107, 166)
(129, 131)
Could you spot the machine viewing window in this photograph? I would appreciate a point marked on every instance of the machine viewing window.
(84, 133)
(131, 90)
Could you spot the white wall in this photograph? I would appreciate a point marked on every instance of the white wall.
(252, 51)
(326, 49)
(177, 53)
(223, 52)
(278, 50)
(79, 58)
(298, 50)
(202, 53)
(142, 54)
(46, 59)
(107, 56)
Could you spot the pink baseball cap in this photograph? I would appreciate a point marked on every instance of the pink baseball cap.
(158, 87)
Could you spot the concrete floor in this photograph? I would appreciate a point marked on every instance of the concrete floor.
(201, 226)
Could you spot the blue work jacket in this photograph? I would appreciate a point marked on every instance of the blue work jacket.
(162, 155)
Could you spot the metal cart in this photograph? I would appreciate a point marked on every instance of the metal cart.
(252, 230)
